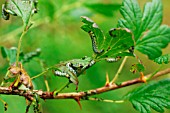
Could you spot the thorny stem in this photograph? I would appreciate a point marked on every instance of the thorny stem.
(82, 94)
(19, 46)
(119, 70)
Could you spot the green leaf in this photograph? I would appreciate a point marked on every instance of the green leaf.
(23, 8)
(10, 54)
(105, 9)
(132, 14)
(116, 42)
(155, 95)
(142, 108)
(152, 43)
(163, 59)
(152, 15)
(136, 21)
(94, 31)
(146, 26)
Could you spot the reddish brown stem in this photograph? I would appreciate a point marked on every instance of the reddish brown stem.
(74, 95)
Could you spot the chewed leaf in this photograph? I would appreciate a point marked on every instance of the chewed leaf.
(154, 95)
(23, 8)
(163, 59)
(95, 33)
(117, 43)
(153, 42)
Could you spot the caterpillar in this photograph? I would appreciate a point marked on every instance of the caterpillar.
(94, 43)
(73, 68)
(91, 63)
(62, 74)
(131, 49)
(35, 10)
(111, 34)
(113, 59)
(68, 65)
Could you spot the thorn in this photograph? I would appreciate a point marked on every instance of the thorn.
(77, 99)
(142, 77)
(10, 88)
(107, 80)
(76, 87)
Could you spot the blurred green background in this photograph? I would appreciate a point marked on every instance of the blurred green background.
(56, 30)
